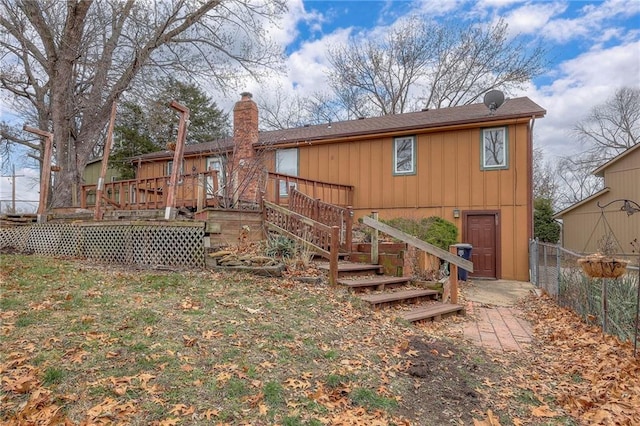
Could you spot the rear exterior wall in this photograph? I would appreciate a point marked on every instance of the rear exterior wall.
(448, 176)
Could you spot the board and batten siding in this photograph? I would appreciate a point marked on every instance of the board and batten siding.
(448, 176)
(583, 226)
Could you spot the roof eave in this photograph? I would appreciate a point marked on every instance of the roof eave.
(581, 203)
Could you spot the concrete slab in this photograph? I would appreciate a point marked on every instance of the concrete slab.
(497, 292)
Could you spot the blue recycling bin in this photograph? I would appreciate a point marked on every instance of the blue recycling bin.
(464, 251)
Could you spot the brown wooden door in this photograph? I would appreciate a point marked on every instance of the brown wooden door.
(481, 233)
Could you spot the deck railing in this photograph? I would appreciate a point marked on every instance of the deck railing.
(316, 236)
(279, 184)
(194, 190)
(326, 213)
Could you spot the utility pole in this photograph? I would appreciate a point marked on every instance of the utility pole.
(13, 177)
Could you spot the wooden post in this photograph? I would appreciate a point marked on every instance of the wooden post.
(349, 229)
(170, 209)
(202, 192)
(315, 210)
(333, 255)
(83, 199)
(277, 195)
(453, 277)
(45, 176)
(374, 241)
(97, 212)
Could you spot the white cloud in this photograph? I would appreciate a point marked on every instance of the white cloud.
(583, 82)
(595, 22)
(530, 18)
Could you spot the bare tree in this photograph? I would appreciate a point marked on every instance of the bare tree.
(438, 65)
(545, 185)
(611, 127)
(67, 62)
(576, 180)
(282, 111)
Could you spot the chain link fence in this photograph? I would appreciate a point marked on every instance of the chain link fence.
(612, 304)
(145, 244)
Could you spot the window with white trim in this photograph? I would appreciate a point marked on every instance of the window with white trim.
(216, 163)
(170, 167)
(494, 148)
(287, 164)
(404, 155)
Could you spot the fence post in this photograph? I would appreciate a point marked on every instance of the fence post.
(605, 308)
(333, 256)
(558, 275)
(546, 269)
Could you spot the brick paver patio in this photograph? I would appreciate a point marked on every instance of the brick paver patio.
(497, 327)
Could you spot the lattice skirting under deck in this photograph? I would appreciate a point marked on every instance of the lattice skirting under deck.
(143, 244)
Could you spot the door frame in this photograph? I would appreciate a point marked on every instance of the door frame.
(496, 214)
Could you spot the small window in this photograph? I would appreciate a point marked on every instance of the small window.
(404, 155)
(287, 164)
(170, 167)
(494, 153)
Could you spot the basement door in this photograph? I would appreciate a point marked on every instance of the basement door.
(481, 231)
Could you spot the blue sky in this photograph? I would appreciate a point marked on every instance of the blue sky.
(594, 48)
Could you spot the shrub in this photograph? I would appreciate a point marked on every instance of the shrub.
(434, 230)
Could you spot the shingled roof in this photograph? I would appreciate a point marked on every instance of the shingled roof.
(466, 114)
(443, 117)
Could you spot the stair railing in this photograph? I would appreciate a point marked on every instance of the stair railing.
(313, 235)
(326, 213)
(455, 261)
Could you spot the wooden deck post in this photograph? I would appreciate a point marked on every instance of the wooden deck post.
(333, 255)
(453, 277)
(202, 192)
(45, 176)
(374, 241)
(170, 210)
(97, 211)
(83, 198)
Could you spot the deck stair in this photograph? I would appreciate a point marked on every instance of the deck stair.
(353, 269)
(433, 311)
(373, 283)
(382, 291)
(385, 299)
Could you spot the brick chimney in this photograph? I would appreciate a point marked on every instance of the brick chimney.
(247, 170)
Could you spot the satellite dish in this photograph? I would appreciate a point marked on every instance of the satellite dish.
(493, 99)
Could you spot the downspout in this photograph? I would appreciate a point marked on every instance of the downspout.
(530, 178)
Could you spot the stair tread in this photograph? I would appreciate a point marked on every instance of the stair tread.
(372, 281)
(397, 295)
(349, 267)
(431, 310)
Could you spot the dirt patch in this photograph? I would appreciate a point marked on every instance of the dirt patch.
(446, 378)
(13, 250)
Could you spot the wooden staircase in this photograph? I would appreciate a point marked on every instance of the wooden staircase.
(382, 291)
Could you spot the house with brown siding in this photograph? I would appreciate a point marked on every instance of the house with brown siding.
(466, 164)
(584, 224)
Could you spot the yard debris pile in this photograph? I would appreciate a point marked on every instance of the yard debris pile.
(229, 258)
(250, 257)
